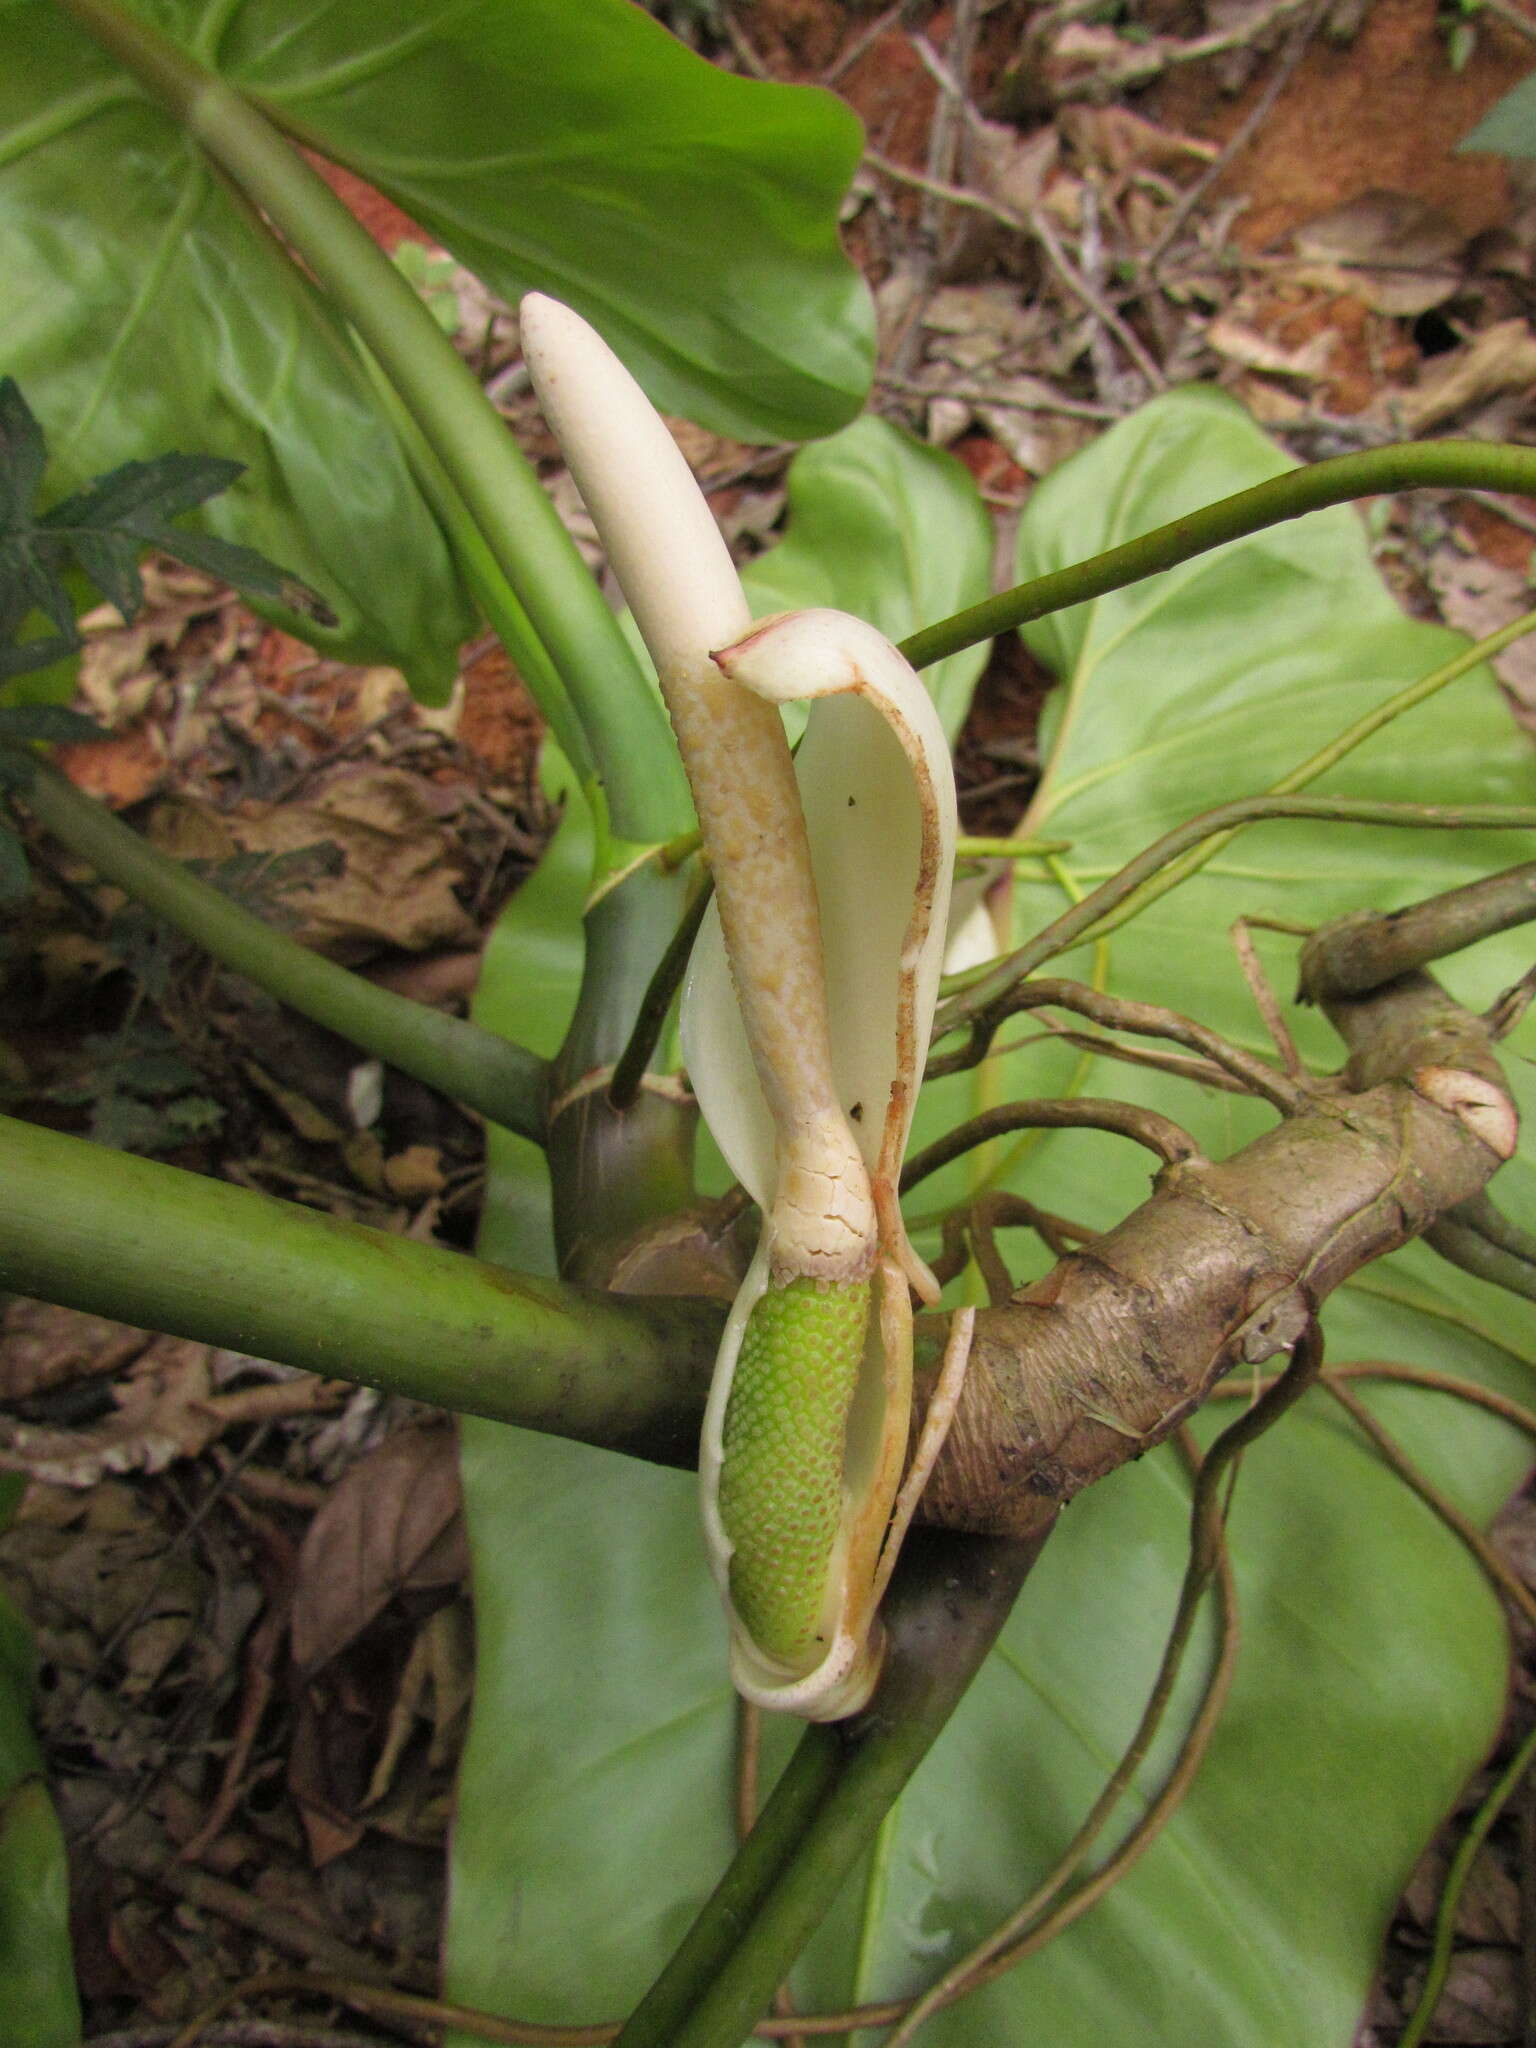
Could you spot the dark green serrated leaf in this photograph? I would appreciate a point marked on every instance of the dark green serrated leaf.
(141, 496)
(105, 527)
(23, 456)
(15, 875)
(109, 523)
(25, 656)
(48, 722)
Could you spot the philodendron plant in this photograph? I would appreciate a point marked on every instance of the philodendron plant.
(1245, 732)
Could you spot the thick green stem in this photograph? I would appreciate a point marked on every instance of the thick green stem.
(615, 1170)
(758, 1865)
(495, 596)
(501, 1080)
(1454, 465)
(162, 1249)
(646, 792)
(950, 1598)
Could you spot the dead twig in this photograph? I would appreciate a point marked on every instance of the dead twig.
(864, 41)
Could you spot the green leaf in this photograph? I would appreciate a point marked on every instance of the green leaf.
(690, 215)
(15, 875)
(1373, 1667)
(27, 657)
(48, 722)
(145, 311)
(37, 1983)
(23, 456)
(883, 526)
(1509, 128)
(601, 1683)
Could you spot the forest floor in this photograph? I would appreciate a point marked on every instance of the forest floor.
(247, 1586)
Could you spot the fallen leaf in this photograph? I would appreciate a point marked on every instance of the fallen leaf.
(1392, 249)
(415, 1173)
(436, 1686)
(1124, 141)
(1478, 597)
(166, 1409)
(42, 1346)
(309, 1121)
(1253, 351)
(996, 313)
(1480, 2004)
(398, 868)
(393, 1524)
(1502, 358)
(162, 1415)
(119, 771)
(1489, 1907)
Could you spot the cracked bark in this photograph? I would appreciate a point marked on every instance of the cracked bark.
(1226, 1262)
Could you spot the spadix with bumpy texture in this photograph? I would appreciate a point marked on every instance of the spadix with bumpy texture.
(781, 1469)
(805, 1028)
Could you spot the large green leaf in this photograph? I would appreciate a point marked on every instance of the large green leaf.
(692, 215)
(883, 526)
(37, 1984)
(600, 1682)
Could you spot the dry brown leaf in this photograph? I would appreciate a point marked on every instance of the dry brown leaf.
(416, 1173)
(708, 455)
(364, 1154)
(309, 1121)
(981, 319)
(329, 1829)
(42, 1346)
(105, 1575)
(1037, 441)
(1123, 141)
(1250, 350)
(163, 1414)
(436, 1686)
(1009, 168)
(116, 676)
(398, 863)
(119, 771)
(1478, 597)
(393, 1524)
(1480, 2004)
(1395, 251)
(167, 1409)
(1502, 358)
(1489, 1907)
